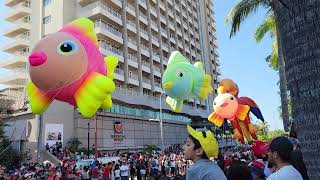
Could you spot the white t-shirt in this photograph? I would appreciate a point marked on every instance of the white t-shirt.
(285, 173)
(117, 173)
(124, 169)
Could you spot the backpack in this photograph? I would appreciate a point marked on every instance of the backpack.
(153, 163)
(257, 169)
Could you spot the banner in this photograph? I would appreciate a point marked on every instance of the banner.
(53, 136)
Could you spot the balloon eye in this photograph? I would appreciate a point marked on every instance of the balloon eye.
(180, 74)
(67, 48)
(231, 98)
(214, 103)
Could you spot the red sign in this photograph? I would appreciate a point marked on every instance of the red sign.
(118, 127)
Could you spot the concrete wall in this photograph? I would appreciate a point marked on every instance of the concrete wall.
(138, 132)
(59, 113)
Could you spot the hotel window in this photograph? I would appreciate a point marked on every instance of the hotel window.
(47, 19)
(46, 2)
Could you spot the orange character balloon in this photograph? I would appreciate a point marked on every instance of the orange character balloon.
(241, 123)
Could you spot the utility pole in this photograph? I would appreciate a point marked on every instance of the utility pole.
(88, 153)
(40, 127)
(95, 136)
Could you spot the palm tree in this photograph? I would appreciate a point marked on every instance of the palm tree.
(299, 31)
(236, 16)
(276, 62)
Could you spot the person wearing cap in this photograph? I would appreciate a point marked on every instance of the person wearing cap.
(199, 147)
(258, 165)
(279, 153)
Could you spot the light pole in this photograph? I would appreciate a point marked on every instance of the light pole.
(88, 153)
(161, 128)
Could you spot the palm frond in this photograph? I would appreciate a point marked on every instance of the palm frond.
(274, 63)
(242, 10)
(268, 25)
(272, 59)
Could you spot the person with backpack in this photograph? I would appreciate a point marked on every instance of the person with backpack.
(154, 167)
(258, 165)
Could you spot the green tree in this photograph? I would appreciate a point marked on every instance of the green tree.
(237, 15)
(264, 134)
(8, 156)
(73, 144)
(150, 148)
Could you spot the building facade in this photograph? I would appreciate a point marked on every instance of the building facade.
(142, 34)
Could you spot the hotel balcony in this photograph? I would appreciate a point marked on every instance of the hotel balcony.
(19, 60)
(19, 11)
(99, 10)
(108, 31)
(20, 27)
(16, 77)
(11, 3)
(85, 2)
(20, 42)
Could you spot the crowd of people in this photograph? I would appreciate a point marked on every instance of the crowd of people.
(279, 159)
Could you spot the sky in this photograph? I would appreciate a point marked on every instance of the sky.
(241, 59)
(4, 25)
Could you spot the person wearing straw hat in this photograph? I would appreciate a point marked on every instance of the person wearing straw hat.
(199, 147)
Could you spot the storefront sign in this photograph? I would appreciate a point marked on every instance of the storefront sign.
(118, 135)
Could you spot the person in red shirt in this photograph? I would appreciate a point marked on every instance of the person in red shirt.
(106, 171)
(52, 174)
(95, 173)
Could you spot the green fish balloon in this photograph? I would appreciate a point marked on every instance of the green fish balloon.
(182, 81)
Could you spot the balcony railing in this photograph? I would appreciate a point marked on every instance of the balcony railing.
(143, 15)
(132, 57)
(154, 23)
(108, 47)
(155, 38)
(108, 9)
(130, 23)
(144, 79)
(119, 71)
(130, 6)
(158, 84)
(156, 54)
(133, 76)
(156, 68)
(132, 41)
(144, 32)
(101, 24)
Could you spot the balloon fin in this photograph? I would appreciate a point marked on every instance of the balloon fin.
(203, 88)
(37, 99)
(216, 119)
(242, 112)
(111, 63)
(92, 93)
(176, 105)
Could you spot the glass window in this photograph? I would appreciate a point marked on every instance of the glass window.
(46, 2)
(47, 19)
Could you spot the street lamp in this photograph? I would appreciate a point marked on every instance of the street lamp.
(88, 153)
(159, 118)
(161, 125)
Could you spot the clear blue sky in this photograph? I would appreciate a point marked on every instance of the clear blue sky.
(242, 60)
(4, 25)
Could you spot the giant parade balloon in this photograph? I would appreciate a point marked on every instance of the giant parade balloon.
(182, 81)
(239, 116)
(68, 66)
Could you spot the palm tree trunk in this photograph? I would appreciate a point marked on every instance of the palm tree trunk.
(299, 27)
(283, 85)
